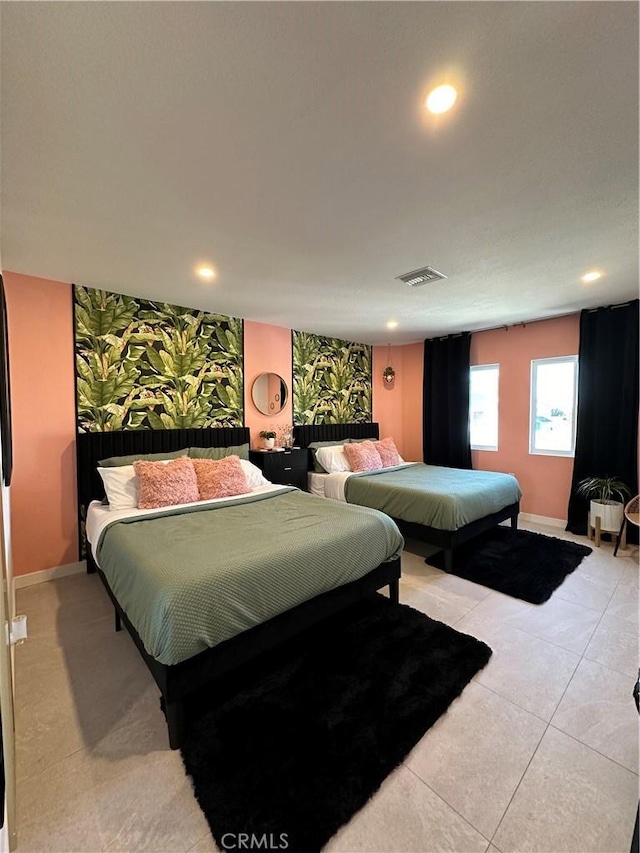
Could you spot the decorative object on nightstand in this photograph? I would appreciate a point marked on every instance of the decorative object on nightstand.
(268, 437)
(605, 514)
(285, 433)
(285, 468)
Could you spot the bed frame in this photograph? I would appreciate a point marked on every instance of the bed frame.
(178, 681)
(447, 540)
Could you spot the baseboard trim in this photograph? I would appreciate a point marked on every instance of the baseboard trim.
(21, 581)
(543, 519)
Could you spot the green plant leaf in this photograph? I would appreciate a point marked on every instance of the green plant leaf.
(124, 381)
(155, 421)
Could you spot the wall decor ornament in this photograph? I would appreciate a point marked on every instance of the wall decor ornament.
(152, 365)
(331, 380)
(389, 374)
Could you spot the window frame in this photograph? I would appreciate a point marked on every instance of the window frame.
(490, 447)
(558, 359)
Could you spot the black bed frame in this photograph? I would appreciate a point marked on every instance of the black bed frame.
(445, 539)
(176, 682)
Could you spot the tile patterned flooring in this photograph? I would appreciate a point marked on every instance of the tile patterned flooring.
(540, 753)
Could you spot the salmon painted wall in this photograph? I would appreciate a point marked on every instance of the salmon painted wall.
(398, 409)
(267, 349)
(412, 369)
(545, 480)
(43, 487)
(387, 400)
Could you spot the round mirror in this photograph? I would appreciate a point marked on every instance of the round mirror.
(269, 393)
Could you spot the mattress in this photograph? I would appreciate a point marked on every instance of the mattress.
(191, 576)
(431, 495)
(315, 483)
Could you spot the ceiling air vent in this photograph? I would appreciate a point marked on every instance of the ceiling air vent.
(419, 277)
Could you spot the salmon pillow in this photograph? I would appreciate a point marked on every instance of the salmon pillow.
(388, 452)
(363, 456)
(165, 484)
(220, 478)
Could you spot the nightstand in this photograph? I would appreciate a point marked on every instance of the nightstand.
(283, 467)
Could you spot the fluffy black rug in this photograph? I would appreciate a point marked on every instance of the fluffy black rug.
(305, 743)
(525, 565)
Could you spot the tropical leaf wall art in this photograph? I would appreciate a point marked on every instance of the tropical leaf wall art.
(151, 365)
(331, 380)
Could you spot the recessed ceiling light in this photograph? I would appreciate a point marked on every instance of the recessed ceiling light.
(594, 275)
(392, 324)
(206, 272)
(441, 99)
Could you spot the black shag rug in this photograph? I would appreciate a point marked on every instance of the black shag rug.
(525, 565)
(317, 727)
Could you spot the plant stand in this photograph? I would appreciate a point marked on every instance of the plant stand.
(595, 530)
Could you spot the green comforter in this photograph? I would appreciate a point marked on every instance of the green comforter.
(196, 576)
(446, 498)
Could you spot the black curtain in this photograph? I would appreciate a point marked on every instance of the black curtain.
(445, 422)
(607, 428)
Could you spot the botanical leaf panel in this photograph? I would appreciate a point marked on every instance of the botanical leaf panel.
(331, 380)
(151, 365)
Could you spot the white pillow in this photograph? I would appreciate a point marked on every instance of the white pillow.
(333, 459)
(254, 475)
(121, 486)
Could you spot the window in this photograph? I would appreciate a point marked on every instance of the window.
(483, 406)
(554, 391)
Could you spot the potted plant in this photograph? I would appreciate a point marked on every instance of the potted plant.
(602, 491)
(268, 437)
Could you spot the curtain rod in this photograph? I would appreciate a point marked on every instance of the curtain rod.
(507, 326)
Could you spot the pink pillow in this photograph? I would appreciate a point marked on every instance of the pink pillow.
(220, 478)
(363, 456)
(388, 452)
(164, 484)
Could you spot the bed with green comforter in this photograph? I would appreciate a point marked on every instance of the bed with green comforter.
(192, 577)
(446, 499)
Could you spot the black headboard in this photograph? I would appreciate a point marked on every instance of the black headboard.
(304, 435)
(93, 446)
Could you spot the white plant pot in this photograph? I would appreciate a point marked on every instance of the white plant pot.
(269, 443)
(610, 513)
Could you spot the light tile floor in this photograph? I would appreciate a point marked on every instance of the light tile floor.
(540, 753)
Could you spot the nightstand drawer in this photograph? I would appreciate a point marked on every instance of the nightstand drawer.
(289, 458)
(287, 468)
(292, 477)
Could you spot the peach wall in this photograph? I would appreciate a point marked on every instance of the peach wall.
(43, 488)
(412, 368)
(267, 349)
(545, 480)
(387, 400)
(398, 410)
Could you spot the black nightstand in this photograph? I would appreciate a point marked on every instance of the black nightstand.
(284, 467)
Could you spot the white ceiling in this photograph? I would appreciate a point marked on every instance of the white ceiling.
(287, 144)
